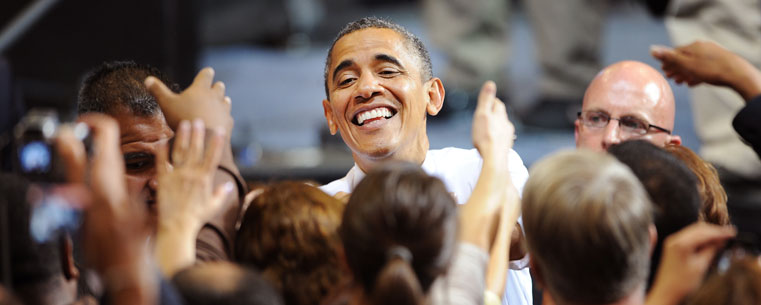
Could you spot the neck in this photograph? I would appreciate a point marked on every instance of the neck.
(414, 153)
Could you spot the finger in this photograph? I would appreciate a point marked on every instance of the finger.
(218, 198)
(214, 151)
(219, 88)
(204, 78)
(162, 162)
(660, 52)
(486, 96)
(159, 90)
(228, 101)
(181, 143)
(105, 135)
(73, 154)
(700, 234)
(195, 154)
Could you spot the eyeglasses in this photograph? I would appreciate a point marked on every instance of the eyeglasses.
(628, 124)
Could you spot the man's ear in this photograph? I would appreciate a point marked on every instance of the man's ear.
(674, 140)
(435, 96)
(329, 116)
(70, 270)
(653, 237)
(576, 126)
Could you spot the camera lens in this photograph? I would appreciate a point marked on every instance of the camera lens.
(35, 157)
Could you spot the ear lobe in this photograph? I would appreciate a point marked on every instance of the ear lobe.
(70, 270)
(435, 96)
(329, 117)
(576, 132)
(674, 140)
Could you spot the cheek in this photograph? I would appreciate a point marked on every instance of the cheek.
(591, 141)
(136, 183)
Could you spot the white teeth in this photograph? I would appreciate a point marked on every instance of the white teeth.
(373, 114)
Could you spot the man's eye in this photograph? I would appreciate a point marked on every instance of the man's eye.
(388, 72)
(346, 81)
(633, 124)
(596, 118)
(138, 165)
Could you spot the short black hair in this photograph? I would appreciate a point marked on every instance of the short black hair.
(117, 86)
(671, 185)
(413, 42)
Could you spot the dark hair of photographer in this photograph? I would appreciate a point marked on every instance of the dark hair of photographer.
(118, 85)
(289, 232)
(399, 232)
(41, 272)
(223, 283)
(671, 185)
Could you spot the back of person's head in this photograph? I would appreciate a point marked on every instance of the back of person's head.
(117, 86)
(223, 283)
(712, 194)
(399, 232)
(671, 185)
(587, 223)
(36, 267)
(738, 284)
(289, 231)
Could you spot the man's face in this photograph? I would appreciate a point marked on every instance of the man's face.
(378, 100)
(627, 90)
(141, 138)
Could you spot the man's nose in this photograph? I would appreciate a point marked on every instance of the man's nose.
(612, 134)
(367, 86)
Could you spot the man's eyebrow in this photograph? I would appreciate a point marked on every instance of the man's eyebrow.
(343, 65)
(388, 58)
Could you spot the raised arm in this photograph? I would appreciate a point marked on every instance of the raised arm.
(206, 100)
(707, 62)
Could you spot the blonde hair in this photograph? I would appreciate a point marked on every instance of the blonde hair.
(586, 219)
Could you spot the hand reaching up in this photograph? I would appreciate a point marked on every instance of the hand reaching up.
(202, 100)
(186, 196)
(707, 62)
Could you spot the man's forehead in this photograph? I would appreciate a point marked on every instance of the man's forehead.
(370, 43)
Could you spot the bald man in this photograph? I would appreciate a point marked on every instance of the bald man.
(633, 95)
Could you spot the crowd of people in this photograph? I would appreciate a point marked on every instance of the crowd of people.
(629, 217)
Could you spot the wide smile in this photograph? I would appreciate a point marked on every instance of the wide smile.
(375, 114)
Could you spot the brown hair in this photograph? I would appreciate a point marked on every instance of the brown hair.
(399, 232)
(740, 284)
(712, 194)
(290, 232)
(586, 219)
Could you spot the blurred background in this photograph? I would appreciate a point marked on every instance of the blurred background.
(270, 54)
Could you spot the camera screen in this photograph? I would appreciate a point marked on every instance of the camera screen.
(35, 157)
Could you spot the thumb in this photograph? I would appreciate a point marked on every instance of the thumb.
(158, 89)
(486, 96)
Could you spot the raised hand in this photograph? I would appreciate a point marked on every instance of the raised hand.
(707, 62)
(202, 100)
(493, 133)
(186, 196)
(687, 255)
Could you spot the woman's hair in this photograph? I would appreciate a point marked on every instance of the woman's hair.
(712, 194)
(290, 233)
(399, 232)
(739, 284)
